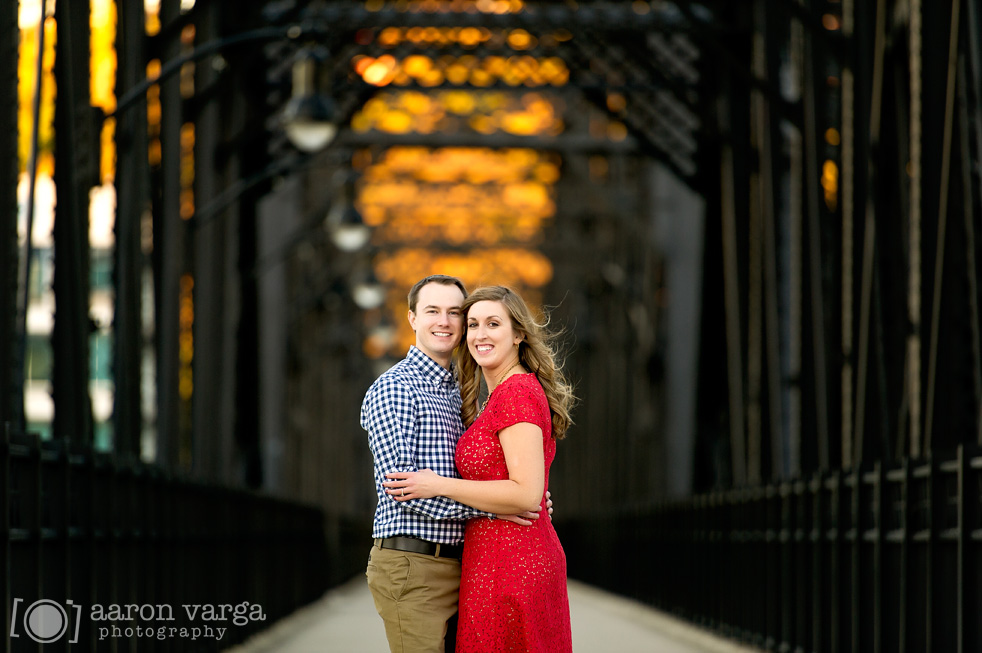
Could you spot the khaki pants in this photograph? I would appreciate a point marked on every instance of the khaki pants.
(415, 595)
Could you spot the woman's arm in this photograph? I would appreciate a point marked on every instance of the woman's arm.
(524, 456)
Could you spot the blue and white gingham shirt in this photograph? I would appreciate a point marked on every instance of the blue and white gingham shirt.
(412, 415)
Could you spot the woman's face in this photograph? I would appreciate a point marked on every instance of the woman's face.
(491, 338)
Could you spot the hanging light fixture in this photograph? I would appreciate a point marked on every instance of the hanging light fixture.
(309, 118)
(345, 225)
(367, 292)
(349, 233)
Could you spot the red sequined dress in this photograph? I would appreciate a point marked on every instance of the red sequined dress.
(513, 578)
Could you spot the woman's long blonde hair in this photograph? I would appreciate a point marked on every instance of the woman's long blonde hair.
(535, 353)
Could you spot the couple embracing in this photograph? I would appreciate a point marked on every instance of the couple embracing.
(457, 521)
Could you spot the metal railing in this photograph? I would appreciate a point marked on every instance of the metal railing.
(880, 559)
(82, 530)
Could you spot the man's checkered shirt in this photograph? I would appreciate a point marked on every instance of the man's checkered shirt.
(412, 415)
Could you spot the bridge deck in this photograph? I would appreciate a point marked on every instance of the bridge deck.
(344, 621)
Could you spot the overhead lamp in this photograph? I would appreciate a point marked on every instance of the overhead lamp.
(309, 118)
(344, 223)
(349, 233)
(367, 292)
(379, 340)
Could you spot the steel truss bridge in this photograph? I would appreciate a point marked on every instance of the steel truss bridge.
(822, 494)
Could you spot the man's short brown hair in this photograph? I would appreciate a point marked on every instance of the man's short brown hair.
(433, 278)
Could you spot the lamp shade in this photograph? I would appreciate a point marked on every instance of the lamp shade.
(348, 231)
(309, 118)
(368, 294)
(309, 122)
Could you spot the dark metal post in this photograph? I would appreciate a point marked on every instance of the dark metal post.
(10, 386)
(914, 262)
(811, 55)
(853, 538)
(7, 585)
(873, 566)
(170, 254)
(772, 159)
(734, 332)
(212, 251)
(966, 600)
(75, 172)
(835, 537)
(818, 570)
(847, 246)
(866, 67)
(132, 201)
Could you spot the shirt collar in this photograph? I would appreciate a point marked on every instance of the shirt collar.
(430, 369)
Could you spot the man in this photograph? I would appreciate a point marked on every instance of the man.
(412, 415)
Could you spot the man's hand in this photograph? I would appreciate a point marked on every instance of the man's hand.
(522, 519)
(526, 518)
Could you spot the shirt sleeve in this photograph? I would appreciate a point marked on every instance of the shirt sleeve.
(389, 414)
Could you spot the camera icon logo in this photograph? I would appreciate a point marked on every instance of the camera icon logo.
(46, 621)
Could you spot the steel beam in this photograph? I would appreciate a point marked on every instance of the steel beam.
(11, 404)
(614, 17)
(76, 156)
(170, 261)
(132, 191)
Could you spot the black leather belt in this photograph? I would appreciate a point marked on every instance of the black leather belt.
(413, 545)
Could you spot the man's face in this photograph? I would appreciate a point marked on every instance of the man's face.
(438, 321)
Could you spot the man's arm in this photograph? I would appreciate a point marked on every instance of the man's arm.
(390, 417)
(522, 489)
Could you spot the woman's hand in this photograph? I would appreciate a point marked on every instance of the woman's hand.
(403, 486)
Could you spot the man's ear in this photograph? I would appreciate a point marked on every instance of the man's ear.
(412, 320)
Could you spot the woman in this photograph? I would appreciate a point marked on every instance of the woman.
(513, 579)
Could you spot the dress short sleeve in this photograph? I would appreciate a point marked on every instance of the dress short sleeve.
(521, 399)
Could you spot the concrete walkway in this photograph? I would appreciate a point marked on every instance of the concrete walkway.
(344, 621)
